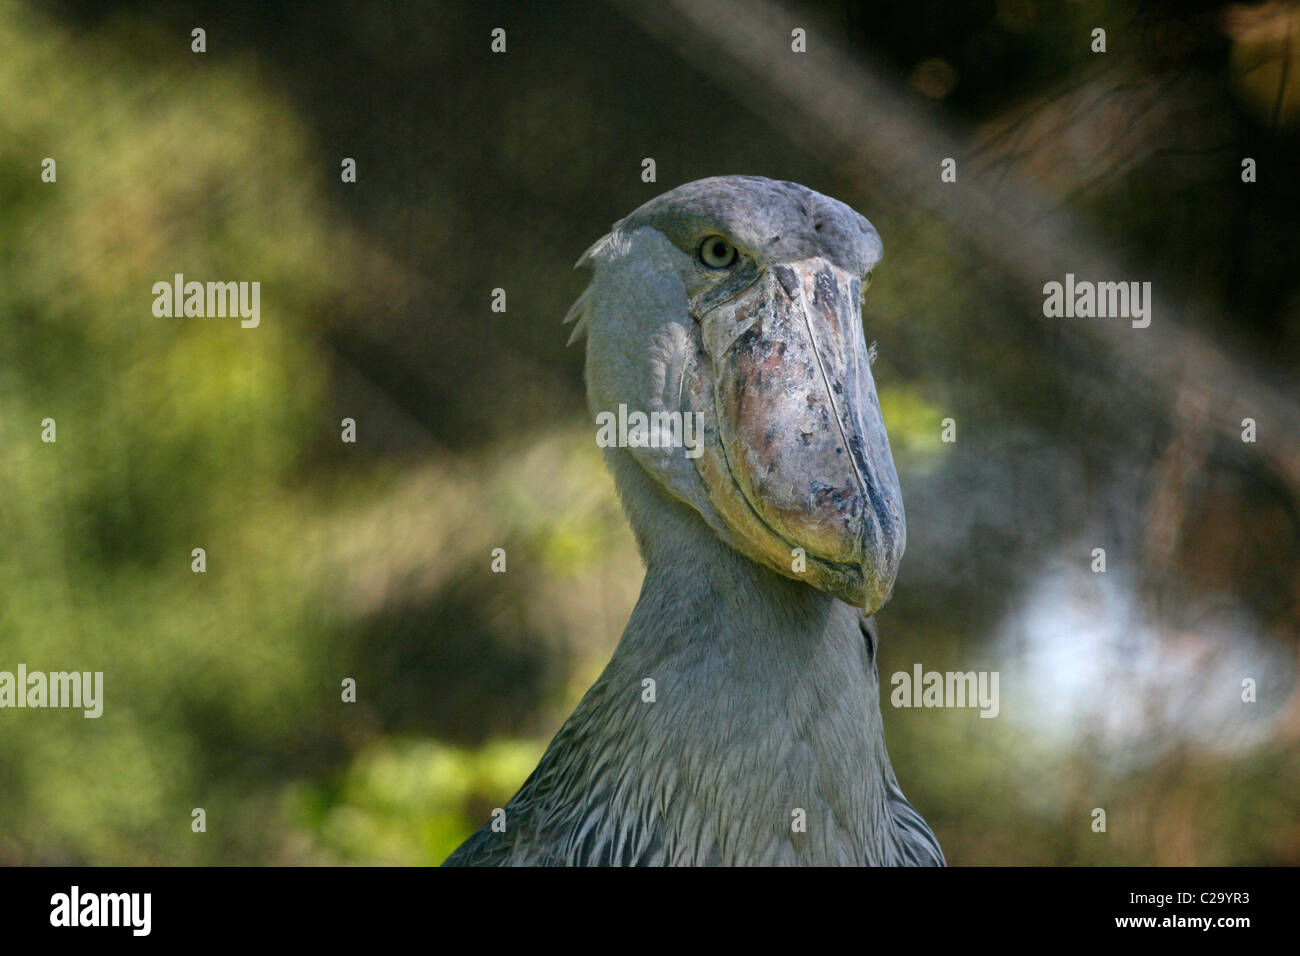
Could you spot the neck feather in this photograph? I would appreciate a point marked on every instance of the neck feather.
(737, 722)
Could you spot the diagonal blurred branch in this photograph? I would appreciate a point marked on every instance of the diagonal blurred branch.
(871, 129)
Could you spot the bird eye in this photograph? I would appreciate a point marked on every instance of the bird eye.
(717, 253)
(862, 294)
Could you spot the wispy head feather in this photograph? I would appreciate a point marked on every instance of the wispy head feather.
(580, 311)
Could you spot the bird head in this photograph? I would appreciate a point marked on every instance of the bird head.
(736, 300)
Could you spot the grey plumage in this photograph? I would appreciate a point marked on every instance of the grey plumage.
(764, 743)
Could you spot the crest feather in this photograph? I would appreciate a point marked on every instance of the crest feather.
(578, 312)
(581, 309)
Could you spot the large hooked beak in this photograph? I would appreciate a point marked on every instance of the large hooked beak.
(801, 469)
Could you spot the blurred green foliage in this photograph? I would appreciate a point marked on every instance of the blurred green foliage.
(172, 434)
(404, 801)
(222, 689)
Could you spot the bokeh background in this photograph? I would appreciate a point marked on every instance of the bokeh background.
(479, 171)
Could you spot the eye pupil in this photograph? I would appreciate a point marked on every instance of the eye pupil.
(717, 253)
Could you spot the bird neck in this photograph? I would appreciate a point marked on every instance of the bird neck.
(743, 705)
(702, 597)
(705, 606)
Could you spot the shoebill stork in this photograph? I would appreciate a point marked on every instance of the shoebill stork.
(767, 547)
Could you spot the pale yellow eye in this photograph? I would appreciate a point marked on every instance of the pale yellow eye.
(717, 253)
